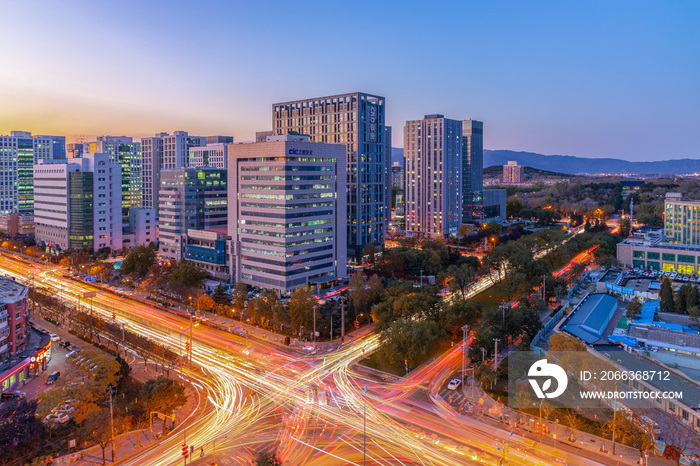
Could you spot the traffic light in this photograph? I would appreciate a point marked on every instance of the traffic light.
(197, 313)
(185, 451)
(114, 315)
(537, 428)
(187, 346)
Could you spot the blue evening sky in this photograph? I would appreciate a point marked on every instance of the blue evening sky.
(587, 78)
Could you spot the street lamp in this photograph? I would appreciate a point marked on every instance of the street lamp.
(184, 427)
(495, 357)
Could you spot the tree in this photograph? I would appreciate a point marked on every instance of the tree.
(460, 278)
(97, 428)
(301, 308)
(633, 309)
(267, 458)
(163, 394)
(240, 290)
(220, 296)
(187, 274)
(666, 296)
(485, 374)
(677, 433)
(369, 253)
(359, 296)
(574, 422)
(628, 431)
(412, 340)
(138, 261)
(21, 431)
(204, 303)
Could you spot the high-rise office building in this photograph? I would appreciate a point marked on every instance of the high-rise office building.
(167, 151)
(189, 198)
(398, 180)
(18, 154)
(287, 212)
(513, 173)
(211, 155)
(176, 149)
(152, 161)
(78, 205)
(433, 154)
(356, 120)
(681, 219)
(472, 169)
(127, 153)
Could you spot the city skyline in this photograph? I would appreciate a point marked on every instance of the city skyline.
(593, 80)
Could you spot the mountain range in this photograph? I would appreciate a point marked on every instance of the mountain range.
(570, 164)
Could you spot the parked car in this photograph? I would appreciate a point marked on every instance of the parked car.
(72, 353)
(64, 344)
(16, 395)
(54, 337)
(53, 377)
(454, 384)
(56, 418)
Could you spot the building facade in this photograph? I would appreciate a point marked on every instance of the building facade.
(167, 151)
(14, 317)
(18, 154)
(681, 220)
(79, 204)
(17, 224)
(287, 213)
(207, 249)
(433, 156)
(513, 173)
(472, 168)
(356, 120)
(211, 155)
(152, 161)
(189, 199)
(127, 153)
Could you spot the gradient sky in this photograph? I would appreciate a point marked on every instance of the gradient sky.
(588, 78)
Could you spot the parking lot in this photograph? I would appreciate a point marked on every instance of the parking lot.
(58, 361)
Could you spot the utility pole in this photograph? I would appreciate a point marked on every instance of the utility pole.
(421, 279)
(313, 310)
(111, 419)
(190, 355)
(495, 358)
(465, 352)
(124, 340)
(184, 428)
(342, 320)
(483, 355)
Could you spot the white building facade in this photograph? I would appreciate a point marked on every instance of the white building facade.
(287, 212)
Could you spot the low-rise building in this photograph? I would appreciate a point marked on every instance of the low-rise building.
(17, 224)
(652, 253)
(14, 317)
(207, 249)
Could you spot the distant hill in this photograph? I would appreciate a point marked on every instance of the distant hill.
(581, 165)
(571, 165)
(497, 170)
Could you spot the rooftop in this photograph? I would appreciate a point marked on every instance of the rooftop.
(588, 322)
(11, 291)
(669, 338)
(676, 382)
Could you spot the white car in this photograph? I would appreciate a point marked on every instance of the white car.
(454, 384)
(54, 337)
(56, 418)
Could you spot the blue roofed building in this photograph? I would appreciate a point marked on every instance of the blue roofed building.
(590, 318)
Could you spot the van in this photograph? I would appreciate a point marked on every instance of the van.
(52, 378)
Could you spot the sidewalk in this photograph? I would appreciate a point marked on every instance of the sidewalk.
(128, 443)
(485, 408)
